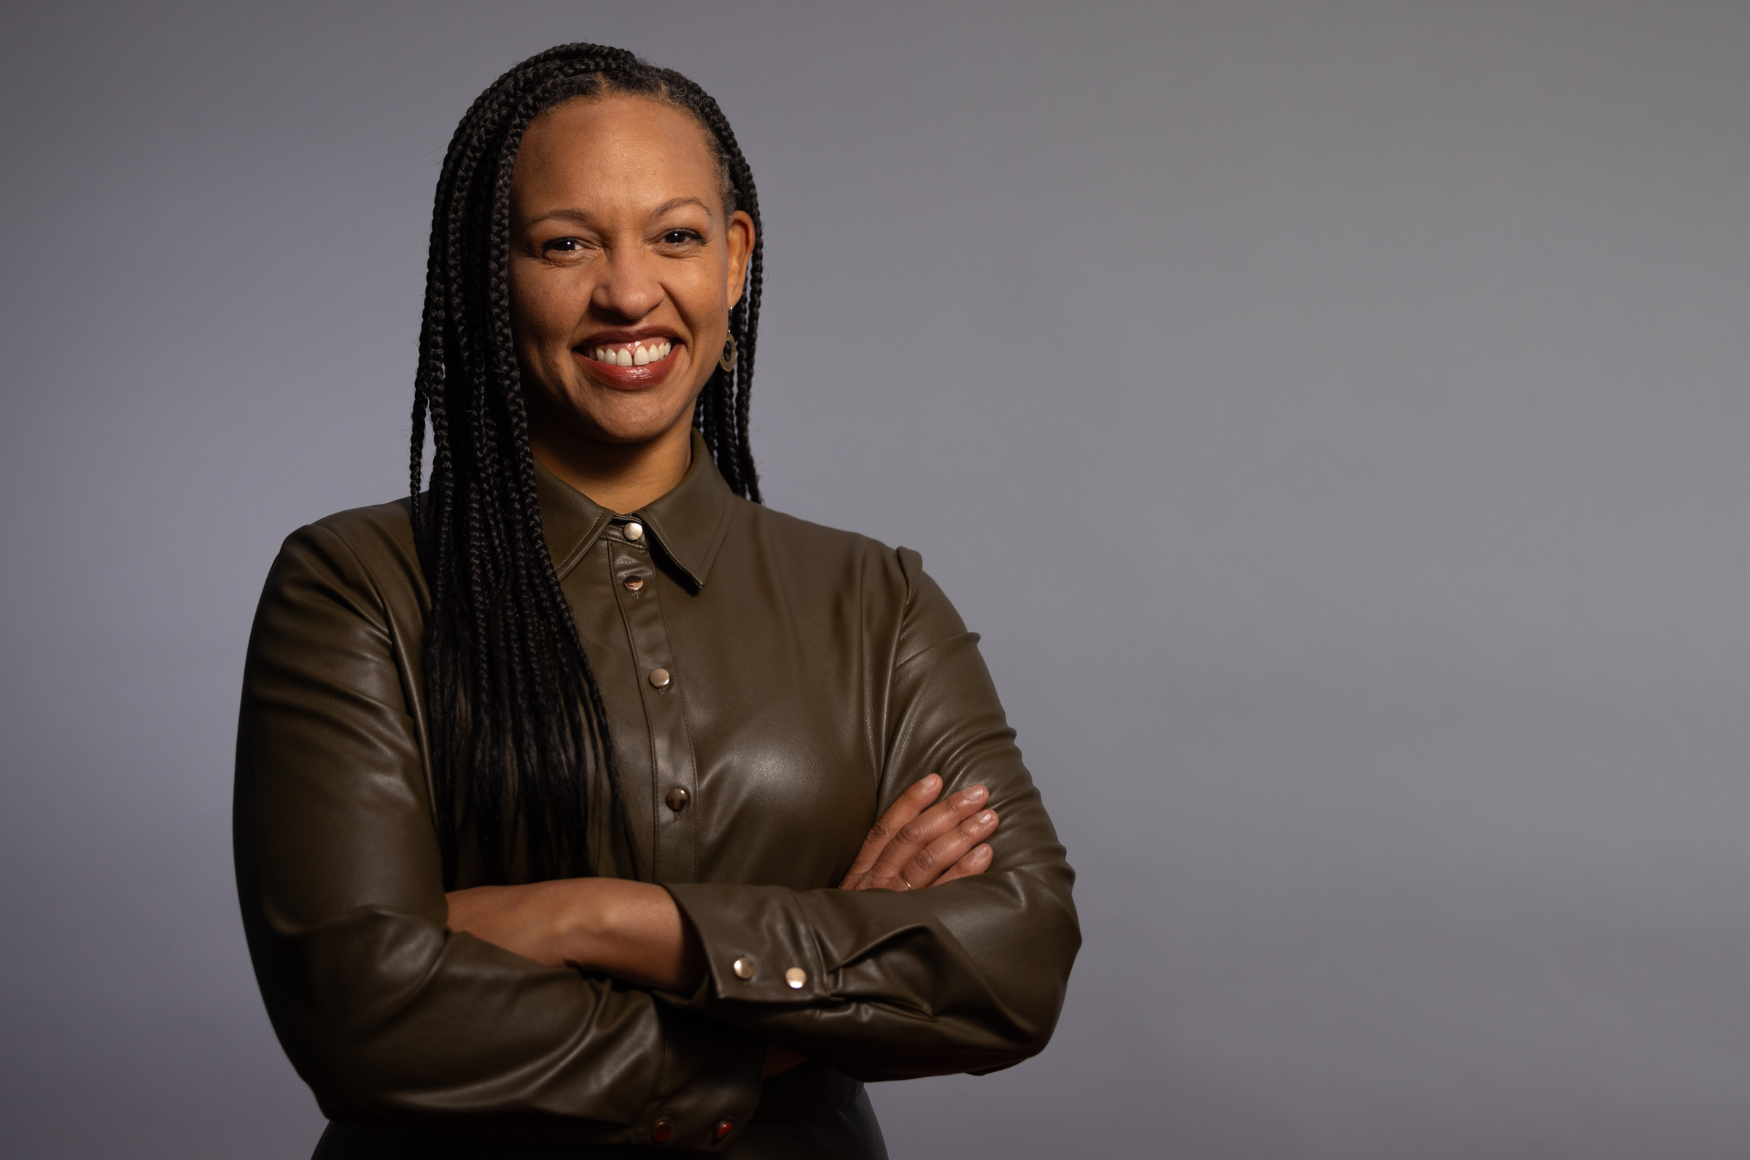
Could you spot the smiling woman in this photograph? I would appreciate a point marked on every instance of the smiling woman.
(584, 805)
(621, 288)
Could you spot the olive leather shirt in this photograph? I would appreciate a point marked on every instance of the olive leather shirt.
(771, 686)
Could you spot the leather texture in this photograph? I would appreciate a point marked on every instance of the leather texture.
(813, 675)
(850, 1131)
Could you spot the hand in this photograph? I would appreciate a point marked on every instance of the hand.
(915, 844)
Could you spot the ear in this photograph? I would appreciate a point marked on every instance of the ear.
(739, 235)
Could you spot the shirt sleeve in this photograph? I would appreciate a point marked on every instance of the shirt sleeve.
(964, 977)
(384, 1012)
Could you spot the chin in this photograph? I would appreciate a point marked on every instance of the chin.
(611, 416)
(631, 438)
(639, 428)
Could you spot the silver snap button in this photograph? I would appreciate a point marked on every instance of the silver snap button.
(634, 530)
(659, 678)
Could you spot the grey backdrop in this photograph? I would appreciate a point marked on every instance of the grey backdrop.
(1333, 414)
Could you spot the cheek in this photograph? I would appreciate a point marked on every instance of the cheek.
(700, 295)
(544, 309)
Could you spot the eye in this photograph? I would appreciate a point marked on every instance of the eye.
(562, 246)
(682, 237)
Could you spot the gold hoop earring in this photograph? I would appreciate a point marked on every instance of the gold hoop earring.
(726, 360)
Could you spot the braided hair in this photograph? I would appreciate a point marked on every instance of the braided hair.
(520, 741)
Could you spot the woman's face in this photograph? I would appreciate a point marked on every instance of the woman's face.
(623, 268)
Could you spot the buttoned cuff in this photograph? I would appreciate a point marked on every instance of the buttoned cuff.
(759, 948)
(709, 1086)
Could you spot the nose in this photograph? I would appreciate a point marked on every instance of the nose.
(629, 288)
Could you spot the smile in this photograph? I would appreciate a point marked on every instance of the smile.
(631, 354)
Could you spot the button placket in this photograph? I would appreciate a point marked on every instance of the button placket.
(662, 686)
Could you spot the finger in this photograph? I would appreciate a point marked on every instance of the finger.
(918, 833)
(911, 803)
(931, 862)
(975, 861)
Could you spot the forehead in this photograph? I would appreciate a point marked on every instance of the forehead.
(617, 148)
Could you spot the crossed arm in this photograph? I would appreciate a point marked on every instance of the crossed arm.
(633, 931)
(339, 878)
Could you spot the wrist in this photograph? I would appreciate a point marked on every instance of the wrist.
(585, 922)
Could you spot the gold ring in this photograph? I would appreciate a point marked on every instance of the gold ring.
(908, 885)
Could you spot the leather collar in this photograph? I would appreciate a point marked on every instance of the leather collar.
(687, 524)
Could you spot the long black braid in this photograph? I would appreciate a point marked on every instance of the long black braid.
(520, 741)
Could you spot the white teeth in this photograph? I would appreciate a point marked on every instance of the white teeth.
(636, 355)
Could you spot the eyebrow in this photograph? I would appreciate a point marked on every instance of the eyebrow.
(579, 216)
(676, 202)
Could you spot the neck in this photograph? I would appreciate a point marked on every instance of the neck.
(621, 477)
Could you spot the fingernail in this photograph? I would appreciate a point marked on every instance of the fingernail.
(981, 854)
(931, 784)
(986, 818)
(976, 793)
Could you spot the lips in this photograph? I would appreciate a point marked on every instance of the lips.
(630, 364)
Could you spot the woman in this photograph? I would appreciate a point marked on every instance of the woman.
(558, 783)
